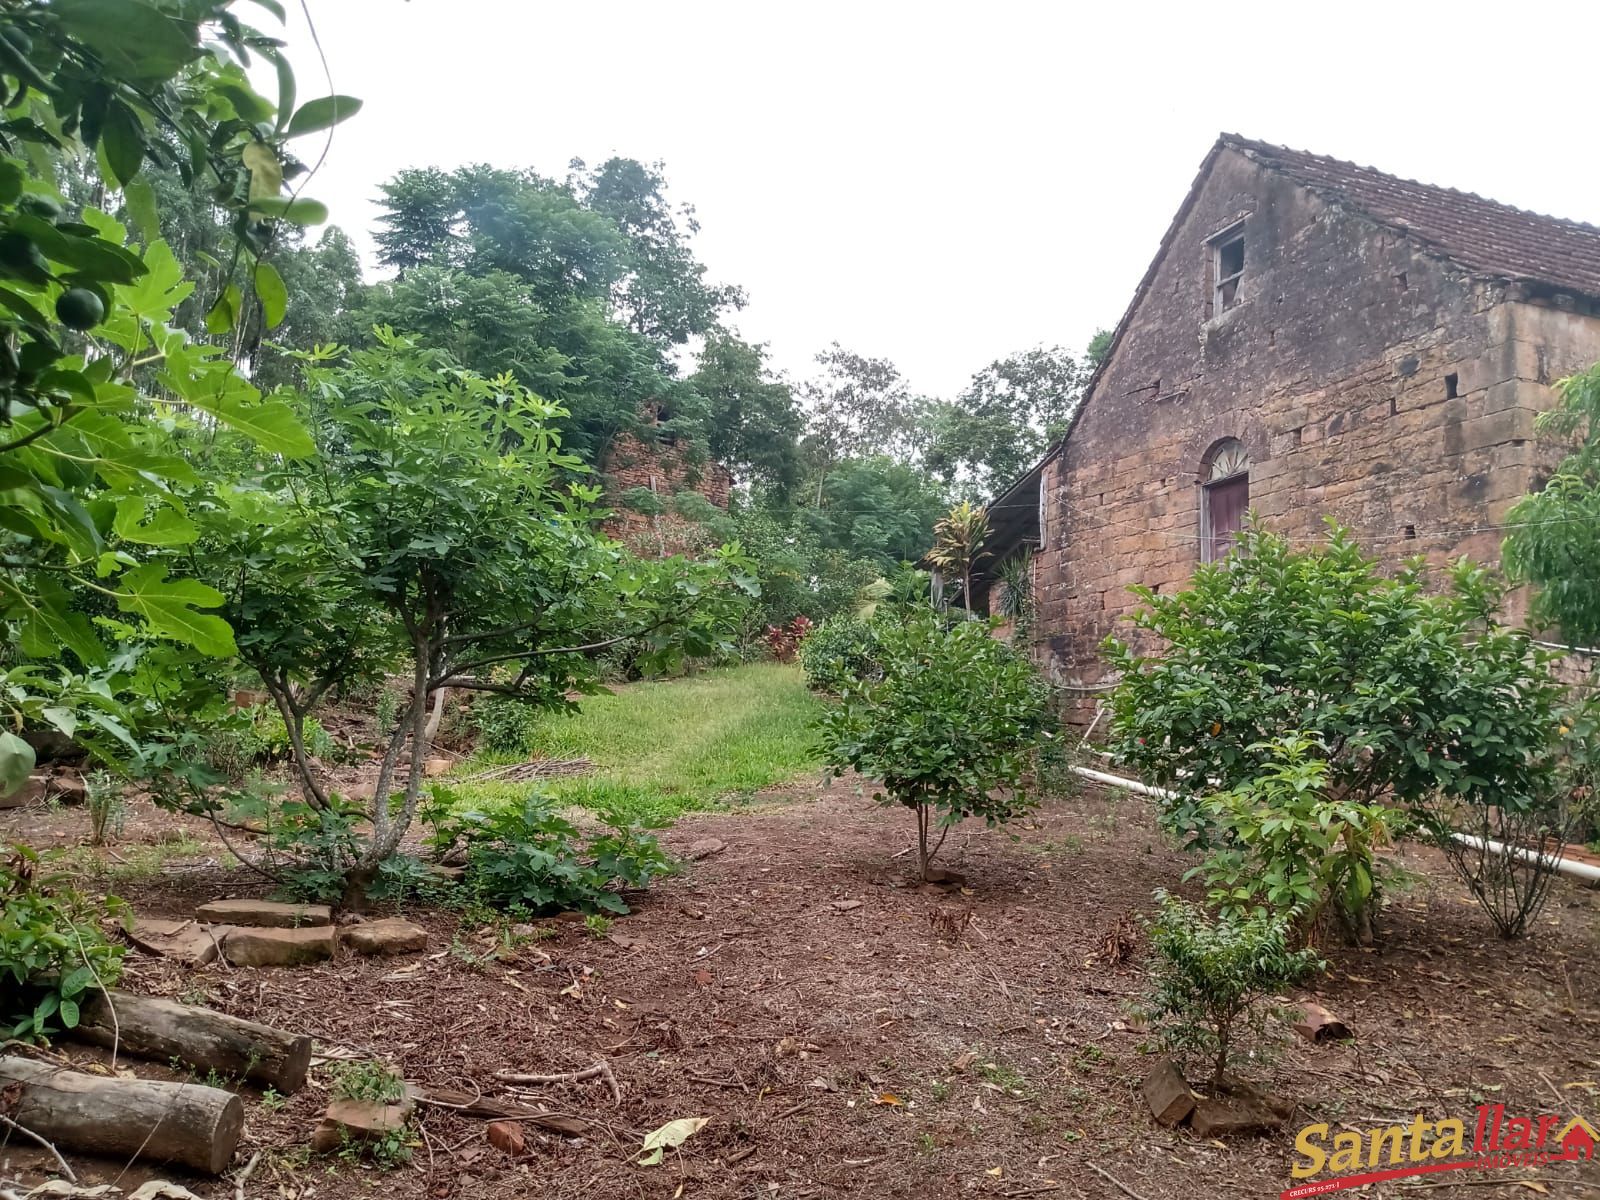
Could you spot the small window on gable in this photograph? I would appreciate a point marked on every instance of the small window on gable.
(1227, 268)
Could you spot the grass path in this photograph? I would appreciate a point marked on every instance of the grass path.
(663, 748)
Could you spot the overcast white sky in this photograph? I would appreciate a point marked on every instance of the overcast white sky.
(943, 184)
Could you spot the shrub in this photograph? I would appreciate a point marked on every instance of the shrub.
(785, 641)
(949, 729)
(1508, 855)
(1427, 700)
(531, 860)
(503, 723)
(51, 948)
(1210, 980)
(321, 844)
(841, 651)
(1291, 847)
(257, 735)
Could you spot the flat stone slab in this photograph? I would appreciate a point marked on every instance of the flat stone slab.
(359, 1121)
(256, 947)
(1239, 1113)
(32, 789)
(187, 942)
(267, 914)
(392, 935)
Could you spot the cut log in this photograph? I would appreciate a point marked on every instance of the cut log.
(162, 1030)
(185, 1123)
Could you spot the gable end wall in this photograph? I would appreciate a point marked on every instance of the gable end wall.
(1332, 371)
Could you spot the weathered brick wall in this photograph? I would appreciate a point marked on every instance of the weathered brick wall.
(1333, 371)
(667, 470)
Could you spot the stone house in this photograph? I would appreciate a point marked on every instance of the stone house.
(1313, 338)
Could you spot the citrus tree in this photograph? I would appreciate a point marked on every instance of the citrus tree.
(96, 381)
(1391, 693)
(948, 725)
(442, 535)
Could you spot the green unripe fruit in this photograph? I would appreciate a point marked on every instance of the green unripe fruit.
(79, 308)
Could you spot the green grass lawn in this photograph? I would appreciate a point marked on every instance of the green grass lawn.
(664, 748)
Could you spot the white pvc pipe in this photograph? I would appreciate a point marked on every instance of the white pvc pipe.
(1578, 870)
(1133, 785)
(1567, 866)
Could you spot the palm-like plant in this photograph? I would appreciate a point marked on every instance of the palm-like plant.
(958, 539)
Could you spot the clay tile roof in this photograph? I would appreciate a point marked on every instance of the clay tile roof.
(1481, 235)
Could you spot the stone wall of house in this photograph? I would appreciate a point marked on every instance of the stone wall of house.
(668, 470)
(1369, 383)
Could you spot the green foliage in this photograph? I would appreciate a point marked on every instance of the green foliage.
(875, 509)
(315, 847)
(1004, 419)
(446, 539)
(1554, 538)
(103, 799)
(1210, 980)
(503, 723)
(1290, 846)
(1511, 864)
(530, 860)
(51, 948)
(841, 653)
(94, 486)
(369, 1080)
(950, 728)
(754, 422)
(958, 539)
(258, 735)
(1404, 693)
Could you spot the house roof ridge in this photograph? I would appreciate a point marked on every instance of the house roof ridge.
(1283, 155)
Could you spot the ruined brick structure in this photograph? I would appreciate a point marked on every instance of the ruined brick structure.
(1313, 338)
(668, 469)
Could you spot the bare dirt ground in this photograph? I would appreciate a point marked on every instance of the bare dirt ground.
(796, 989)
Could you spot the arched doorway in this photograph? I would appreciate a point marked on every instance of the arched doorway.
(1224, 497)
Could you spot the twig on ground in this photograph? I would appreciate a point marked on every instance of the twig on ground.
(1032, 1191)
(116, 1026)
(1561, 1101)
(1004, 990)
(738, 1156)
(600, 1070)
(1114, 1181)
(66, 1171)
(244, 1176)
(727, 1083)
(793, 1109)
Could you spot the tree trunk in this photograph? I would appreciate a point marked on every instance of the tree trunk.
(294, 725)
(185, 1123)
(388, 828)
(162, 1030)
(436, 717)
(922, 841)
